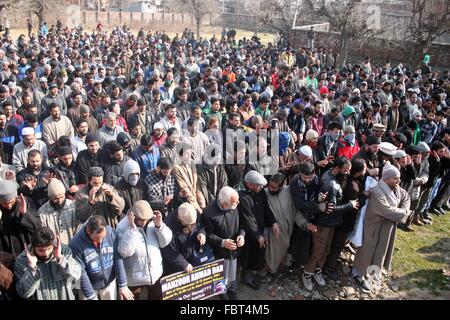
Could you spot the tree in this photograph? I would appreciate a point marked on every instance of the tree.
(198, 8)
(350, 18)
(5, 4)
(38, 7)
(429, 20)
(277, 14)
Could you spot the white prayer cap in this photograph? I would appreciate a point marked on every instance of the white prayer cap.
(27, 131)
(306, 151)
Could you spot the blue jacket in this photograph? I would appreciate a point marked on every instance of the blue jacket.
(37, 130)
(147, 160)
(99, 267)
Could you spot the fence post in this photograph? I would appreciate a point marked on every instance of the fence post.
(182, 18)
(163, 17)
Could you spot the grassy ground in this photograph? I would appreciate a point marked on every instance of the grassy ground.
(422, 258)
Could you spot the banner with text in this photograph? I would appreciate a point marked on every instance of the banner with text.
(203, 282)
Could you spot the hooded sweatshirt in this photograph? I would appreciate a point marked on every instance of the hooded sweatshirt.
(130, 193)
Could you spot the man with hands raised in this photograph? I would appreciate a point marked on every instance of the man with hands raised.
(46, 269)
(98, 198)
(142, 235)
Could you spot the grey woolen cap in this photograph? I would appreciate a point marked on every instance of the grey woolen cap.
(8, 190)
(254, 177)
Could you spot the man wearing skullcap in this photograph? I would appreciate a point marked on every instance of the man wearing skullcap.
(29, 142)
(255, 214)
(388, 205)
(98, 198)
(18, 219)
(188, 234)
(58, 213)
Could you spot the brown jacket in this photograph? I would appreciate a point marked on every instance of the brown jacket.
(187, 178)
(110, 207)
(382, 216)
(6, 275)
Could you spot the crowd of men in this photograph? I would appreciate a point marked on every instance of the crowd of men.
(128, 157)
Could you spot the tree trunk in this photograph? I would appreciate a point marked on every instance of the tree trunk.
(40, 15)
(198, 22)
(343, 48)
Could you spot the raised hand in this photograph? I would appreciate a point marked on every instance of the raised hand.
(9, 175)
(92, 194)
(74, 189)
(48, 177)
(322, 196)
(131, 218)
(107, 190)
(57, 251)
(157, 218)
(31, 258)
(22, 204)
(30, 182)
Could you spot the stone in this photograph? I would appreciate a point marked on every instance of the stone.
(330, 293)
(394, 287)
(342, 294)
(349, 291)
(298, 298)
(316, 295)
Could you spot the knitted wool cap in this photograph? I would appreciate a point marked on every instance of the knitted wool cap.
(55, 188)
(187, 213)
(390, 171)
